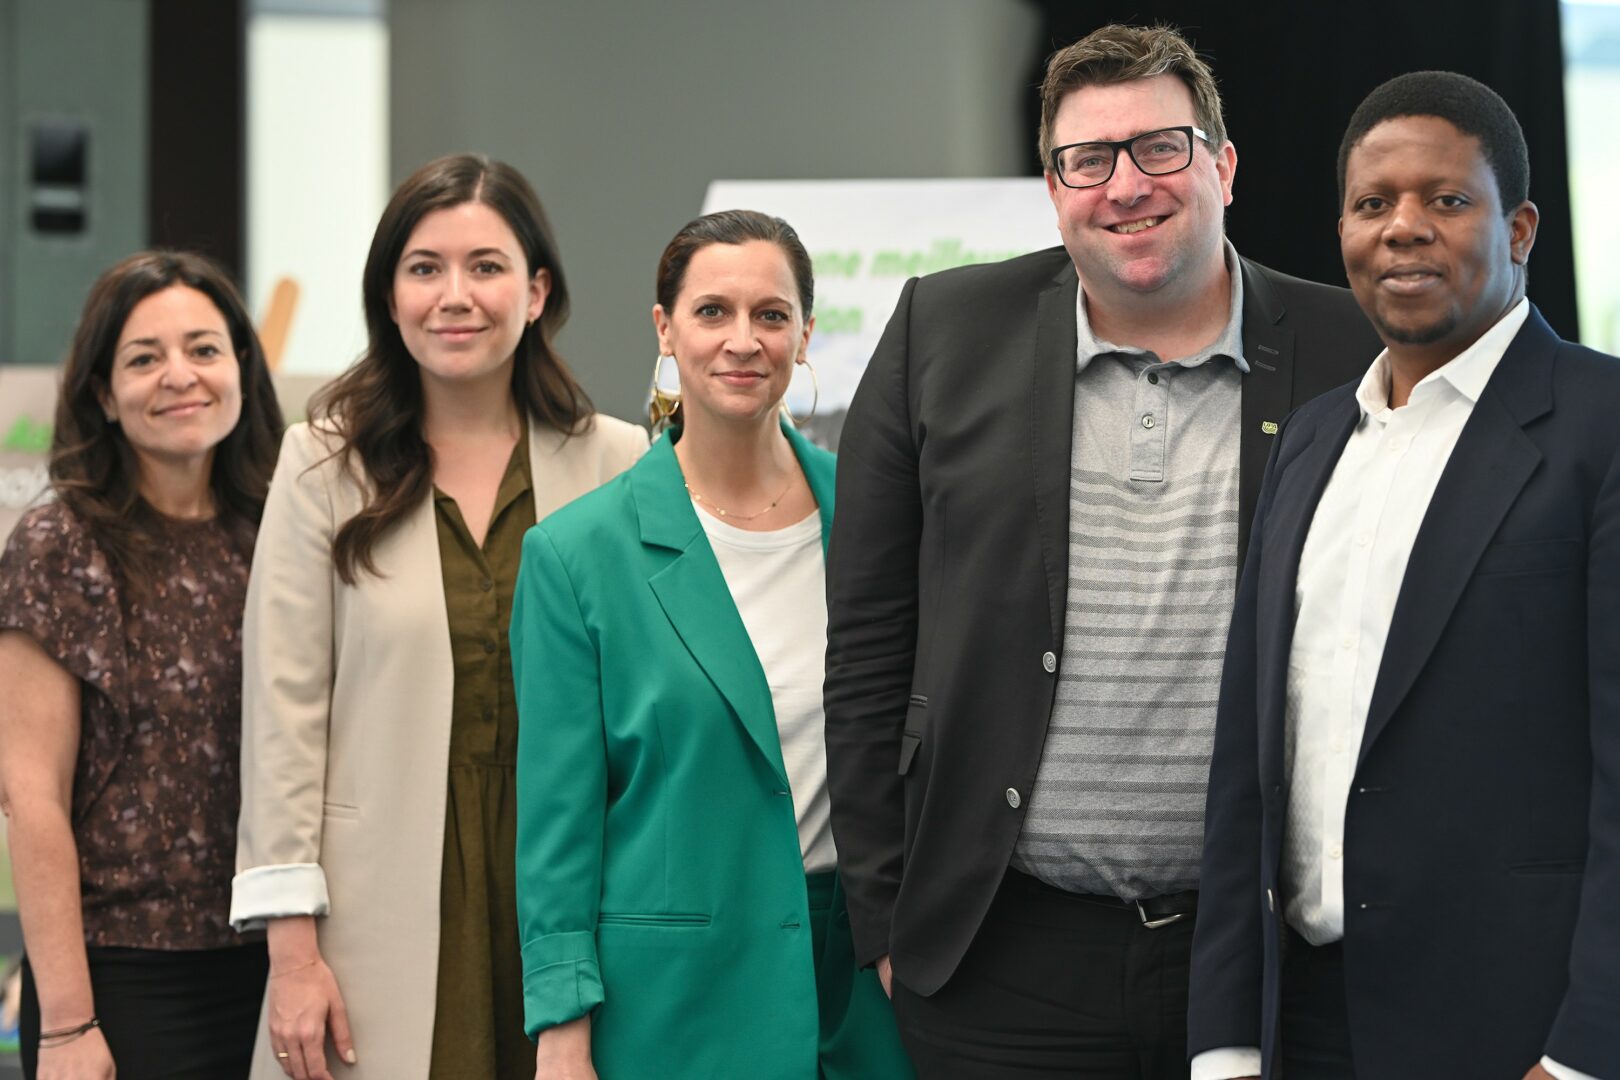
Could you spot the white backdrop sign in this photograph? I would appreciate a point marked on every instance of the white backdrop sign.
(27, 414)
(867, 237)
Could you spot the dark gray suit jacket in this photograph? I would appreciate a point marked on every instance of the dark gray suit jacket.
(948, 573)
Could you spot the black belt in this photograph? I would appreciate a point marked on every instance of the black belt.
(1157, 911)
(1154, 911)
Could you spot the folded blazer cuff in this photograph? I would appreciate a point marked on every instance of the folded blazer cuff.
(561, 980)
(271, 892)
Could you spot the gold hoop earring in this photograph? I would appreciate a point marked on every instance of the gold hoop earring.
(815, 399)
(663, 404)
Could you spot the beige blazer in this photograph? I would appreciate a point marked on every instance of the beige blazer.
(346, 736)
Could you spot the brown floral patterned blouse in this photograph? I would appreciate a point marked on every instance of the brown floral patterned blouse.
(156, 785)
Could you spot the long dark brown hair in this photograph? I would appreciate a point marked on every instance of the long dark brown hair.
(375, 408)
(93, 468)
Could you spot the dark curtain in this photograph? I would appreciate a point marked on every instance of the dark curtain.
(196, 128)
(1292, 72)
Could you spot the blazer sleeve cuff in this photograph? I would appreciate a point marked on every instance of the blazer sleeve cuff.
(1226, 1063)
(1564, 1072)
(561, 980)
(1582, 1044)
(271, 892)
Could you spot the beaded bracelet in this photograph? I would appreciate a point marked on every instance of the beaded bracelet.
(62, 1036)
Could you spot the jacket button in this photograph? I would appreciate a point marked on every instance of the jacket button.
(1049, 662)
(1012, 793)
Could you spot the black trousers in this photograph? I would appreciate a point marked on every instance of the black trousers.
(1056, 985)
(1315, 1018)
(182, 1015)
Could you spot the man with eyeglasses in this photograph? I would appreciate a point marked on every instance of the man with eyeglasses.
(1045, 481)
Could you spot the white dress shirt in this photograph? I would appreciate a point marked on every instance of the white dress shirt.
(1350, 575)
(779, 583)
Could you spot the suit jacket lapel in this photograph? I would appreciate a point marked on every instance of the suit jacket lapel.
(694, 595)
(1303, 476)
(1051, 388)
(820, 471)
(1268, 390)
(1490, 465)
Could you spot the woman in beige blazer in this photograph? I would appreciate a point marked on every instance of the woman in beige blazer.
(379, 730)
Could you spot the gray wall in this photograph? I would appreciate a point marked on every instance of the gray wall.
(622, 112)
(9, 144)
(80, 61)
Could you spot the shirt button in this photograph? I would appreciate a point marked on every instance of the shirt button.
(1147, 420)
(1336, 852)
(1049, 662)
(489, 647)
(1153, 377)
(486, 584)
(1347, 642)
(1012, 798)
(1364, 539)
(1397, 445)
(1338, 748)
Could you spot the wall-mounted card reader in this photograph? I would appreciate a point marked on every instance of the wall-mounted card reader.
(59, 177)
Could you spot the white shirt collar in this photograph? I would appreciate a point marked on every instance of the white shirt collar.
(1467, 372)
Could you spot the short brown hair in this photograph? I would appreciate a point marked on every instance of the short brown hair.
(1119, 54)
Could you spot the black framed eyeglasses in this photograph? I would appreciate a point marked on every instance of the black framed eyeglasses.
(1156, 153)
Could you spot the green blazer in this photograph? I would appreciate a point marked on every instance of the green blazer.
(659, 880)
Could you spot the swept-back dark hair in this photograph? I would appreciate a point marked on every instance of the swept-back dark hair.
(1467, 105)
(375, 408)
(728, 227)
(732, 227)
(93, 468)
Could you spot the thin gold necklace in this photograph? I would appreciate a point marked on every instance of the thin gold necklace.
(720, 512)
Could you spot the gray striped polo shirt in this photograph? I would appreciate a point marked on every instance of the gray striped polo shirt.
(1118, 803)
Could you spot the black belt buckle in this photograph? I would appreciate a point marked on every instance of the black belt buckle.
(1166, 909)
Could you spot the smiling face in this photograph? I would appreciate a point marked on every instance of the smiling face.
(174, 387)
(736, 329)
(1142, 241)
(1431, 254)
(463, 294)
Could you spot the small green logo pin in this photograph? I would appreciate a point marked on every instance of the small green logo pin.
(1269, 427)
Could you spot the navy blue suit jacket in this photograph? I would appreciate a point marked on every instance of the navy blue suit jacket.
(1482, 836)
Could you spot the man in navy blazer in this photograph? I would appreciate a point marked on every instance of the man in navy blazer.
(1412, 843)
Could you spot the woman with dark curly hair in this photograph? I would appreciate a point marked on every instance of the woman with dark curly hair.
(380, 733)
(120, 609)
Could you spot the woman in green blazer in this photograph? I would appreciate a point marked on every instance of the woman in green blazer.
(676, 894)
